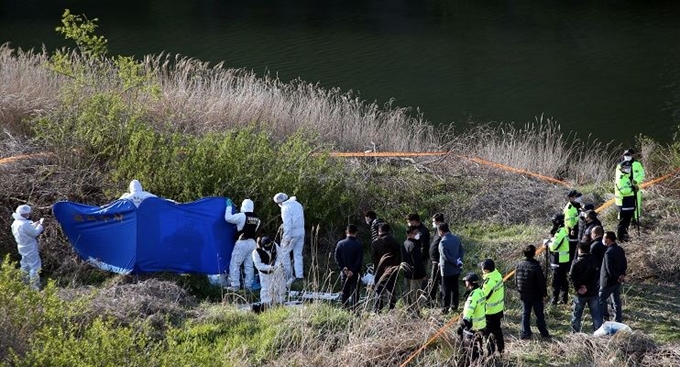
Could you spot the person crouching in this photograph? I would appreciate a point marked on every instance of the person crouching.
(270, 269)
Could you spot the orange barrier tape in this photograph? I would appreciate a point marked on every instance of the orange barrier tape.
(385, 154)
(430, 154)
(541, 248)
(21, 157)
(516, 170)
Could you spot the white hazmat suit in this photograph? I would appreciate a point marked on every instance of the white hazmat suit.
(247, 224)
(293, 237)
(268, 261)
(25, 233)
(136, 194)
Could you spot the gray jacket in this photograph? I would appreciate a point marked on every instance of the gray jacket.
(450, 250)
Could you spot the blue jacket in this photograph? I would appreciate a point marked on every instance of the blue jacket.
(450, 250)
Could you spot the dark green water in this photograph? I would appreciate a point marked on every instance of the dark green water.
(607, 68)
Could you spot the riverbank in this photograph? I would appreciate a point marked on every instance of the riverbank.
(104, 131)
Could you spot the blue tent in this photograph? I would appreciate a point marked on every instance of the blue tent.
(160, 235)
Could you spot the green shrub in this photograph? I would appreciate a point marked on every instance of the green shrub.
(26, 313)
(238, 164)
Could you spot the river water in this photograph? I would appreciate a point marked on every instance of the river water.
(606, 68)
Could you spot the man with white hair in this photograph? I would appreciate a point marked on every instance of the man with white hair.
(136, 194)
(247, 223)
(293, 237)
(25, 233)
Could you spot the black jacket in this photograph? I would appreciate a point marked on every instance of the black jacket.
(530, 280)
(613, 266)
(597, 248)
(424, 242)
(412, 260)
(587, 227)
(584, 272)
(434, 248)
(386, 258)
(349, 254)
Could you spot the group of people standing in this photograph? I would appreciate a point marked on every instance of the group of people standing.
(584, 254)
(443, 253)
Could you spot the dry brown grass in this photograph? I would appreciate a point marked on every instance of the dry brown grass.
(542, 147)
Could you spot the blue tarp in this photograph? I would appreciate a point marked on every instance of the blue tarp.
(160, 235)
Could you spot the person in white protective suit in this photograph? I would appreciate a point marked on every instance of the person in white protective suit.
(268, 261)
(26, 233)
(293, 237)
(136, 194)
(247, 223)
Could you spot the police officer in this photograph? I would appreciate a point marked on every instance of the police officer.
(571, 216)
(473, 323)
(494, 292)
(558, 246)
(624, 193)
(638, 177)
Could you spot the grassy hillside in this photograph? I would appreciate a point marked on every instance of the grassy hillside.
(188, 130)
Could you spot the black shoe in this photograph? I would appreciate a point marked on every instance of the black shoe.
(525, 337)
(546, 337)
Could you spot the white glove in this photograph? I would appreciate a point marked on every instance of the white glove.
(459, 263)
(546, 241)
(41, 220)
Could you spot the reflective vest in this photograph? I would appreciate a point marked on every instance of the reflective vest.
(637, 172)
(624, 193)
(494, 291)
(559, 246)
(475, 309)
(570, 216)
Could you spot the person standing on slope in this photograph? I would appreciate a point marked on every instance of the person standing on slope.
(532, 289)
(494, 292)
(247, 224)
(558, 246)
(637, 177)
(26, 234)
(571, 216)
(293, 237)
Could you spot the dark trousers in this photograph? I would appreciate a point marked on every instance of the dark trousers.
(580, 303)
(450, 292)
(625, 216)
(433, 286)
(613, 292)
(560, 283)
(350, 291)
(537, 306)
(495, 332)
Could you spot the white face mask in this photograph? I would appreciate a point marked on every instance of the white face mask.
(434, 225)
(627, 158)
(579, 200)
(417, 237)
(368, 221)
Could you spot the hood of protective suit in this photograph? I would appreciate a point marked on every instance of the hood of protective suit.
(135, 187)
(18, 216)
(247, 206)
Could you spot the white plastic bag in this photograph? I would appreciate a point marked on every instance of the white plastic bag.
(611, 328)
